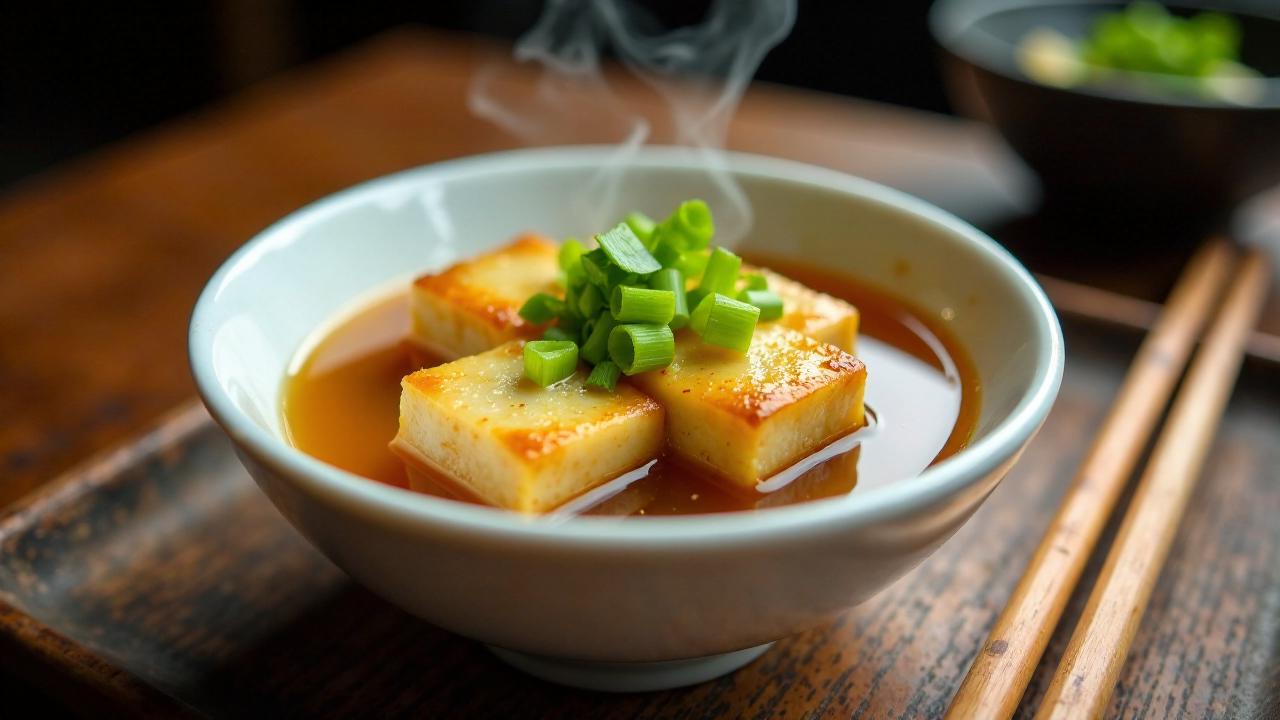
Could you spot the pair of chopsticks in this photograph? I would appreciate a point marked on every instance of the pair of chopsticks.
(1087, 674)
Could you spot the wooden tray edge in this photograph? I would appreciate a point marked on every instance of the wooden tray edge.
(79, 680)
(170, 428)
(63, 669)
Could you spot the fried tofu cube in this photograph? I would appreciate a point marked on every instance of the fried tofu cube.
(513, 444)
(749, 415)
(818, 315)
(474, 305)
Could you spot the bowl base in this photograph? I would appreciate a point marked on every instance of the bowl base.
(629, 676)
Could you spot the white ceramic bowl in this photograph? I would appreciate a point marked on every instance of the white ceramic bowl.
(633, 603)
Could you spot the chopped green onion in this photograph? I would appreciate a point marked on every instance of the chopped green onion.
(721, 274)
(604, 375)
(570, 321)
(571, 296)
(541, 308)
(550, 361)
(754, 281)
(626, 251)
(555, 332)
(640, 348)
(642, 305)
(571, 252)
(692, 264)
(665, 252)
(602, 273)
(590, 301)
(701, 310)
(671, 280)
(596, 347)
(642, 225)
(624, 299)
(596, 266)
(694, 297)
(723, 321)
(768, 301)
(692, 223)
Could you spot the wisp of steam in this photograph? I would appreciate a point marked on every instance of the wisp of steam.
(699, 72)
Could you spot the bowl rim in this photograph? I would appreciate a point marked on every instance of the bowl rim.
(949, 19)
(410, 510)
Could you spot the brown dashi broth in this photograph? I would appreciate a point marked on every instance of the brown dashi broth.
(342, 406)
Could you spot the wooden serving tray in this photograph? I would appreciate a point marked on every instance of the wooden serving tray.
(159, 581)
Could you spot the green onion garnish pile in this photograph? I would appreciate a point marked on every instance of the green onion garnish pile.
(1147, 38)
(1199, 54)
(624, 299)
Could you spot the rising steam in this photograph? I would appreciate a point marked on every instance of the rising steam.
(698, 73)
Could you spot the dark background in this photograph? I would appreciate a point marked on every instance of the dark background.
(75, 76)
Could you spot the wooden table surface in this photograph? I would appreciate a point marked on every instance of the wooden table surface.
(101, 261)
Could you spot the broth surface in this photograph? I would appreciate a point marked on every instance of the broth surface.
(342, 406)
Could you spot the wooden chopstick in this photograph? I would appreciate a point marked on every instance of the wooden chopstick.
(1072, 298)
(1086, 677)
(1004, 666)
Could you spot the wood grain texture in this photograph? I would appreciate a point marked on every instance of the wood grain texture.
(995, 683)
(169, 566)
(1091, 665)
(103, 259)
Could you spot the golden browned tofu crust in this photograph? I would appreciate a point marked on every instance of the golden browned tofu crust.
(558, 423)
(818, 315)
(474, 305)
(779, 370)
(750, 415)
(519, 446)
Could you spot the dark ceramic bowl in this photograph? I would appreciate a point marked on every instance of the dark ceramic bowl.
(1151, 166)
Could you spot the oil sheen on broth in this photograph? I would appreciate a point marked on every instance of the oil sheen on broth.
(342, 406)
